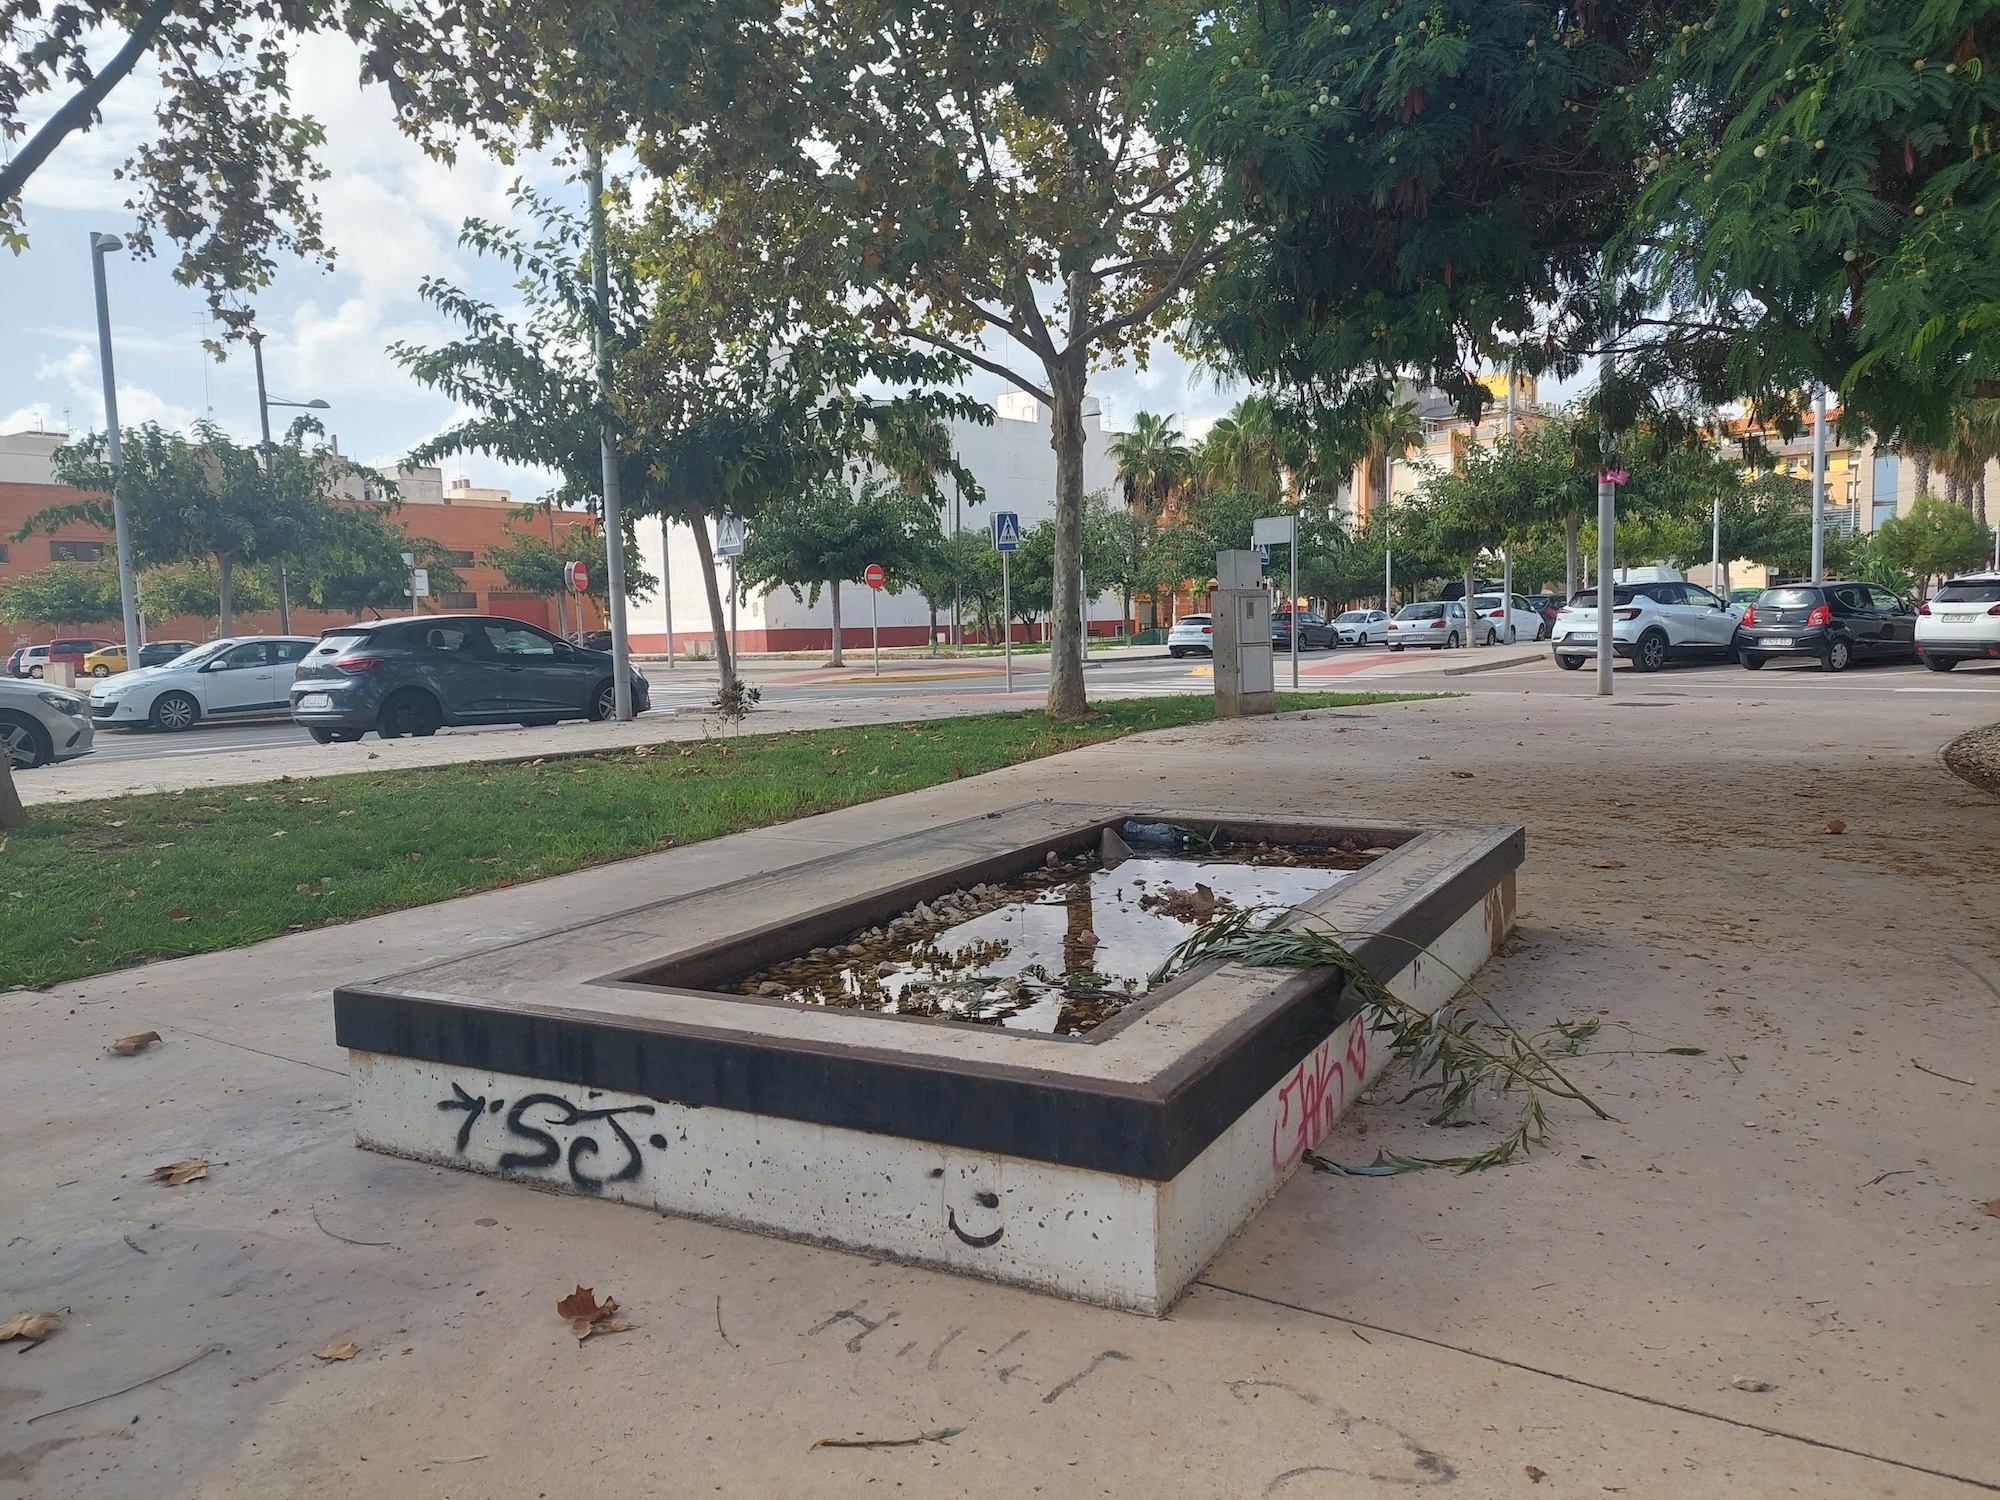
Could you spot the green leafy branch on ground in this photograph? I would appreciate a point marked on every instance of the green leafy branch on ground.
(1463, 1049)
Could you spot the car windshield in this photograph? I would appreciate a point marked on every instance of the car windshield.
(1788, 598)
(201, 654)
(1968, 593)
(1421, 612)
(1486, 601)
(1587, 599)
(1353, 617)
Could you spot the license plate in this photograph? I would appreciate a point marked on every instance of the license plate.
(1955, 619)
(313, 701)
(1775, 640)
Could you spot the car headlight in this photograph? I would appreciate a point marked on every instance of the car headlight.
(67, 703)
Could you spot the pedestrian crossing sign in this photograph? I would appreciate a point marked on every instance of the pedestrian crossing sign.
(1006, 531)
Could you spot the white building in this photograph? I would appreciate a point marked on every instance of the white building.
(1016, 468)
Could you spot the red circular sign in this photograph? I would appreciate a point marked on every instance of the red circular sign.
(577, 576)
(873, 576)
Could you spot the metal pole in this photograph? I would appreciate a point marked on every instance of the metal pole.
(1607, 525)
(562, 594)
(957, 584)
(128, 593)
(1388, 489)
(874, 625)
(1507, 592)
(270, 479)
(1819, 487)
(667, 580)
(614, 528)
(1292, 604)
(735, 659)
(1007, 617)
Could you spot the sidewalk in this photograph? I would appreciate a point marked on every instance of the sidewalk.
(1770, 1274)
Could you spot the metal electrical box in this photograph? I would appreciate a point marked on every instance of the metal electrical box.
(1241, 611)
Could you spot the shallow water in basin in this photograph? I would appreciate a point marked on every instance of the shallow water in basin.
(1061, 949)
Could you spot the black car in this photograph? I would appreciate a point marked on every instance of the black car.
(159, 653)
(414, 676)
(1835, 623)
(1314, 630)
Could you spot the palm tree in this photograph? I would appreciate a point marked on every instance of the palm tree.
(1248, 451)
(1389, 434)
(1974, 443)
(1152, 462)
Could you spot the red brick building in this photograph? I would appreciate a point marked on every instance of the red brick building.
(463, 520)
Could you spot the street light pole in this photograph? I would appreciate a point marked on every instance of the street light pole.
(1819, 487)
(264, 405)
(102, 245)
(614, 529)
(1607, 524)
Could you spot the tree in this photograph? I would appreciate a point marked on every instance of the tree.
(831, 533)
(359, 567)
(1118, 550)
(204, 498)
(63, 594)
(1152, 462)
(988, 174)
(534, 565)
(1935, 540)
(194, 590)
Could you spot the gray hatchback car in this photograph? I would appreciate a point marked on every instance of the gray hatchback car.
(415, 676)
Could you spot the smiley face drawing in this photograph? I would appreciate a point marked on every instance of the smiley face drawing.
(976, 1218)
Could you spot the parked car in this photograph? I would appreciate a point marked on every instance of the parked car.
(240, 677)
(1362, 627)
(159, 653)
(28, 661)
(39, 724)
(1191, 635)
(595, 640)
(1520, 623)
(415, 676)
(1314, 630)
(1835, 623)
(74, 651)
(104, 661)
(1548, 606)
(1435, 623)
(1961, 622)
(1654, 622)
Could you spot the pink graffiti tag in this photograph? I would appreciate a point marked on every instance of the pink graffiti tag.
(1312, 1098)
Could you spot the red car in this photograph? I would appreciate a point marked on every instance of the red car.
(73, 650)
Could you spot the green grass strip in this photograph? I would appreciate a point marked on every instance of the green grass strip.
(94, 886)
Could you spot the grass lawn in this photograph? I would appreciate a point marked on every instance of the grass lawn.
(96, 886)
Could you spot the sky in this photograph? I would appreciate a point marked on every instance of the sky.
(392, 216)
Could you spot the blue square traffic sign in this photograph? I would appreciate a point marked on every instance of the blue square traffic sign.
(1006, 531)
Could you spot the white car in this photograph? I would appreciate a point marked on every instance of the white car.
(39, 724)
(1192, 634)
(1961, 622)
(1363, 627)
(245, 677)
(1653, 622)
(1522, 623)
(1433, 623)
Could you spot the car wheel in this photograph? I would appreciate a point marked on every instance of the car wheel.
(1568, 663)
(320, 736)
(1940, 663)
(604, 702)
(26, 742)
(1753, 663)
(100, 670)
(412, 713)
(1174, 652)
(1837, 656)
(174, 712)
(1397, 649)
(1651, 653)
(34, 671)
(1451, 640)
(1543, 632)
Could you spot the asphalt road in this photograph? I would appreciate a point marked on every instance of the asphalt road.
(954, 682)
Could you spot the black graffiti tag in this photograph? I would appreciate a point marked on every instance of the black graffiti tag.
(560, 1114)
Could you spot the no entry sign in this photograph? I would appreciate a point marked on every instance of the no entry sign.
(873, 576)
(577, 577)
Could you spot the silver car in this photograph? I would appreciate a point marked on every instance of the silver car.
(39, 724)
(1363, 627)
(1192, 635)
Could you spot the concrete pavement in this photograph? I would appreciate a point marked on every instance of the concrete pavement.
(1798, 1208)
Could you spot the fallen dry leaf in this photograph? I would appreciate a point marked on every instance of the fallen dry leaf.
(138, 1041)
(33, 1327)
(589, 1330)
(1993, 1208)
(587, 1315)
(1607, 864)
(1463, 775)
(1535, 1475)
(1834, 825)
(1751, 1383)
(180, 1173)
(178, 914)
(337, 1351)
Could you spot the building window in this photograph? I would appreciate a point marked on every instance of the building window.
(458, 601)
(76, 551)
(1888, 474)
(460, 559)
(3, 552)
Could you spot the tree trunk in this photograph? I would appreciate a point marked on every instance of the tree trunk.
(833, 597)
(934, 630)
(12, 814)
(225, 567)
(1922, 460)
(1066, 697)
(725, 663)
(1472, 631)
(1979, 498)
(1572, 524)
(1128, 624)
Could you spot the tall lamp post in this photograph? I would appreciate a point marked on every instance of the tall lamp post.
(264, 405)
(102, 245)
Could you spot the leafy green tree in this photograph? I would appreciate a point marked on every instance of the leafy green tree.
(1935, 540)
(63, 594)
(813, 542)
(194, 589)
(1153, 462)
(534, 565)
(359, 567)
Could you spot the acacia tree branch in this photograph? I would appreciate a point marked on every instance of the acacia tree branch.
(991, 366)
(75, 115)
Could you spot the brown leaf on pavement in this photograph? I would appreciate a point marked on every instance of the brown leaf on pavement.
(138, 1041)
(1993, 1208)
(337, 1351)
(1535, 1475)
(32, 1326)
(1607, 864)
(1834, 825)
(1462, 775)
(180, 1173)
(587, 1315)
